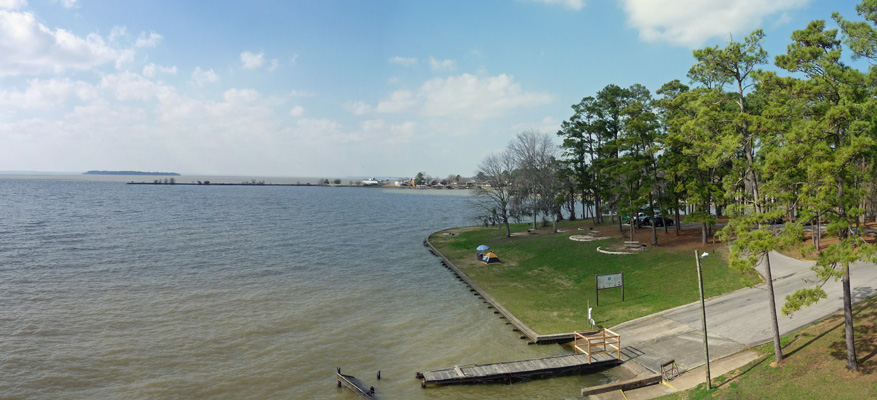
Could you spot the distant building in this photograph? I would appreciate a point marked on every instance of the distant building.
(371, 182)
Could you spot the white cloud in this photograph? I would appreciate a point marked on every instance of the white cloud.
(68, 3)
(318, 128)
(129, 86)
(201, 77)
(373, 125)
(125, 59)
(150, 40)
(691, 22)
(358, 108)
(404, 61)
(240, 96)
(379, 132)
(301, 93)
(12, 4)
(150, 69)
(402, 133)
(476, 97)
(293, 59)
(47, 94)
(252, 60)
(399, 101)
(297, 111)
(443, 65)
(274, 64)
(571, 4)
(548, 125)
(465, 96)
(31, 48)
(117, 34)
(368, 131)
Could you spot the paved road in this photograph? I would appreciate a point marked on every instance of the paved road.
(738, 319)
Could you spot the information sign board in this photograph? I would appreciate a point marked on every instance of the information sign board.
(609, 281)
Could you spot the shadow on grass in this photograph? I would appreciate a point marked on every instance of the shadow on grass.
(858, 310)
(864, 331)
(752, 366)
(866, 365)
(813, 339)
(638, 297)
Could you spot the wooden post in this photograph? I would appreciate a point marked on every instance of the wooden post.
(597, 289)
(622, 286)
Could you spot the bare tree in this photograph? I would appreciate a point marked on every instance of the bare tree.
(495, 191)
(534, 154)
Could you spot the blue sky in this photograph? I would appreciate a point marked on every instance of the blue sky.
(334, 88)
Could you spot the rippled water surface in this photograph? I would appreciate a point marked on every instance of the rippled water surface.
(121, 291)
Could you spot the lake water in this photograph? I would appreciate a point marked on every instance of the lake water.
(117, 291)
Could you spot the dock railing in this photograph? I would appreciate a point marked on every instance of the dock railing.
(602, 341)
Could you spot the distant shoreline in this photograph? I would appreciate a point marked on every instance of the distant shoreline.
(208, 183)
(130, 173)
(225, 184)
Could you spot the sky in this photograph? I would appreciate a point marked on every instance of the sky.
(335, 88)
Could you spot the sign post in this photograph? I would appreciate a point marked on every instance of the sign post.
(609, 281)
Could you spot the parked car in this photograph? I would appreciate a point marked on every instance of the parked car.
(659, 222)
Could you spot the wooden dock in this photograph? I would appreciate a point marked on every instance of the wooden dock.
(518, 370)
(355, 385)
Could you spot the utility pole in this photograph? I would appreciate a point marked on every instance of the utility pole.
(706, 347)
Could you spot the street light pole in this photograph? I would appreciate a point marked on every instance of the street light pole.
(706, 347)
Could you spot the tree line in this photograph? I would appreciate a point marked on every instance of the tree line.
(779, 152)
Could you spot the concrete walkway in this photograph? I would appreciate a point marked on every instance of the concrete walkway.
(735, 321)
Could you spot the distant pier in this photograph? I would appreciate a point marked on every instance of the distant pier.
(350, 382)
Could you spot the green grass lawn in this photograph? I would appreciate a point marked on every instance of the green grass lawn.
(546, 280)
(814, 365)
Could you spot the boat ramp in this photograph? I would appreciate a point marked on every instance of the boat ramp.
(593, 350)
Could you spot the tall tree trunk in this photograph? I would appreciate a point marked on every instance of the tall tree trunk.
(751, 177)
(633, 224)
(598, 206)
(704, 225)
(852, 363)
(661, 207)
(618, 213)
(847, 297)
(703, 232)
(654, 222)
(774, 326)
